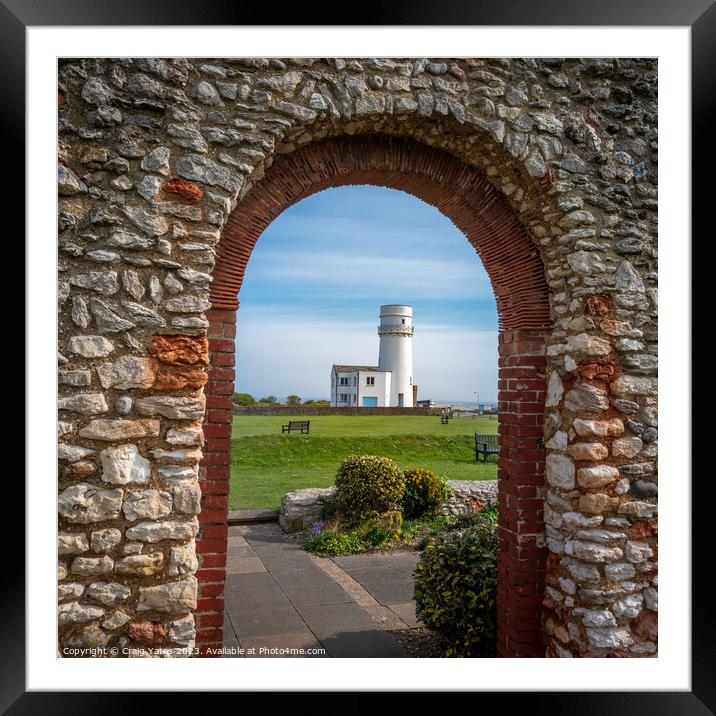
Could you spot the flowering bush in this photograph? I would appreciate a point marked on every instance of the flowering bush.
(425, 492)
(317, 528)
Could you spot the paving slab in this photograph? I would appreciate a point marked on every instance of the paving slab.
(268, 622)
(236, 552)
(403, 561)
(244, 565)
(285, 561)
(406, 612)
(388, 578)
(386, 586)
(236, 541)
(369, 643)
(249, 591)
(395, 590)
(310, 587)
(329, 619)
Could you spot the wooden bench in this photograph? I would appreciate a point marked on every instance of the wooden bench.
(486, 445)
(301, 426)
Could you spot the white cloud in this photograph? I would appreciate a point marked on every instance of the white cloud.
(364, 274)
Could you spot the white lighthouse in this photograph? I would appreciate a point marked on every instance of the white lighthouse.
(390, 383)
(396, 352)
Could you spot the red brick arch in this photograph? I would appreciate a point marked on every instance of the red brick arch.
(512, 261)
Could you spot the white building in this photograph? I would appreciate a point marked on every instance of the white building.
(390, 383)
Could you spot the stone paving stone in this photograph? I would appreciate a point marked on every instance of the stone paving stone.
(250, 591)
(237, 552)
(386, 586)
(402, 561)
(244, 565)
(385, 617)
(369, 643)
(407, 613)
(396, 590)
(282, 561)
(329, 619)
(301, 640)
(237, 541)
(310, 586)
(267, 622)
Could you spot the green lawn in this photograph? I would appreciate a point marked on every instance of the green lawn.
(266, 464)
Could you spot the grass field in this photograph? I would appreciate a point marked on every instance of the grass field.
(266, 464)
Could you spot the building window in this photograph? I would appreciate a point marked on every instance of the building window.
(370, 380)
(403, 321)
(355, 380)
(343, 397)
(344, 381)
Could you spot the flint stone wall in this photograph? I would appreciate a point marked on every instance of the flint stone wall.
(301, 509)
(155, 155)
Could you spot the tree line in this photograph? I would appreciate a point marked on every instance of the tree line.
(247, 399)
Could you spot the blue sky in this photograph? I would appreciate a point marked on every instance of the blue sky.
(322, 269)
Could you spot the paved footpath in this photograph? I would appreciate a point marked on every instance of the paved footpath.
(280, 597)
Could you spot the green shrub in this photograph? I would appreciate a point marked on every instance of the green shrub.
(327, 540)
(425, 492)
(455, 585)
(333, 537)
(368, 484)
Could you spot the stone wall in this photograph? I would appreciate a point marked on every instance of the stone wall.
(301, 509)
(168, 172)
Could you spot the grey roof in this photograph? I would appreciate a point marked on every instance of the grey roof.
(352, 368)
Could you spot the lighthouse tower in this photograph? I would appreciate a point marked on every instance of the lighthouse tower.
(396, 352)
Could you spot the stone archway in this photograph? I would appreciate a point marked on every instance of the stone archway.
(515, 268)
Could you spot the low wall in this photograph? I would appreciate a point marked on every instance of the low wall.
(301, 509)
(295, 410)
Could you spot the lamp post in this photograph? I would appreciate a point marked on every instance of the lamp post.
(477, 393)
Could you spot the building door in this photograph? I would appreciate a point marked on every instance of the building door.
(401, 400)
(370, 402)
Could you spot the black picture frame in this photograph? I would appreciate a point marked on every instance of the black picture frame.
(699, 15)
